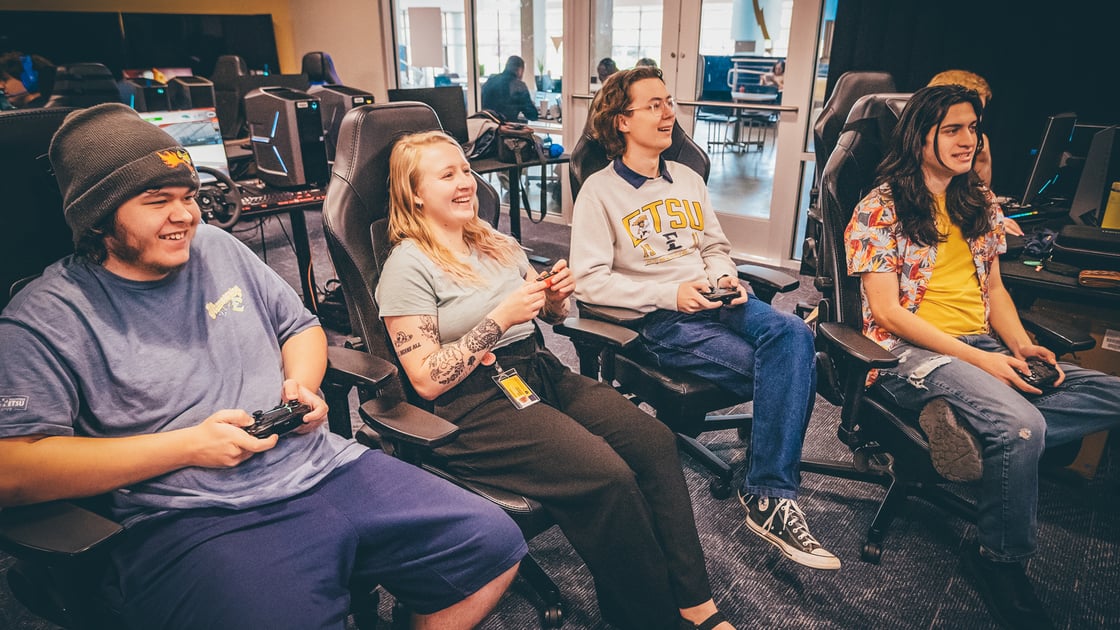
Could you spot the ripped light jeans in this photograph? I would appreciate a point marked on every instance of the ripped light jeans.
(1013, 429)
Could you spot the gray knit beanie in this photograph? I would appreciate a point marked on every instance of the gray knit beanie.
(105, 155)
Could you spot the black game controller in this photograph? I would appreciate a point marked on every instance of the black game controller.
(278, 420)
(1042, 374)
(720, 295)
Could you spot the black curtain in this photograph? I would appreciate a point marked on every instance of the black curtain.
(1040, 58)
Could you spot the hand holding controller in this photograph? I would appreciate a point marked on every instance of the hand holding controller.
(278, 420)
(720, 295)
(1042, 374)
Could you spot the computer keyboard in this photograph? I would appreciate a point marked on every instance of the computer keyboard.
(258, 197)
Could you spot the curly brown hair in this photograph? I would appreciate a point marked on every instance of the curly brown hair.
(611, 102)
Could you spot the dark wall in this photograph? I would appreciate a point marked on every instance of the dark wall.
(1040, 58)
(141, 40)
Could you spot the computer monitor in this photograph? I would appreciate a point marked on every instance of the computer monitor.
(1048, 156)
(449, 103)
(1102, 167)
(199, 133)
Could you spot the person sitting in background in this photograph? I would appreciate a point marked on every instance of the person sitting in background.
(26, 80)
(983, 165)
(645, 237)
(606, 68)
(776, 76)
(136, 359)
(459, 301)
(645, 62)
(507, 94)
(925, 244)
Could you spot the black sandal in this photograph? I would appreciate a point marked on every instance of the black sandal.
(712, 621)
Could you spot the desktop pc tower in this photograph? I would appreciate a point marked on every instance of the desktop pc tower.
(145, 95)
(336, 100)
(286, 133)
(190, 92)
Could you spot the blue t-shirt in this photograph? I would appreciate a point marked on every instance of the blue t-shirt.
(89, 353)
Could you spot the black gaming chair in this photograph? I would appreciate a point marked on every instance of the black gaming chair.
(60, 548)
(319, 68)
(826, 131)
(887, 443)
(682, 401)
(83, 85)
(355, 223)
(227, 95)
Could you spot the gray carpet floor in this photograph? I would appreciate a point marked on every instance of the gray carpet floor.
(920, 582)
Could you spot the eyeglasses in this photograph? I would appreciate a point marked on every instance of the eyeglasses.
(656, 105)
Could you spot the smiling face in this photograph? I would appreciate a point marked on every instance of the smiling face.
(152, 234)
(647, 126)
(445, 187)
(949, 148)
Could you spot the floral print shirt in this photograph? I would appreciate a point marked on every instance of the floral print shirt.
(875, 243)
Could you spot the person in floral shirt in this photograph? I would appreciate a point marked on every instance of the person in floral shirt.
(926, 243)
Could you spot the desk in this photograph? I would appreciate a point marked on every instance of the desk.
(513, 172)
(1026, 284)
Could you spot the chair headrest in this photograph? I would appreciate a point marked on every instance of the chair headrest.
(588, 156)
(226, 70)
(83, 85)
(849, 88)
(319, 68)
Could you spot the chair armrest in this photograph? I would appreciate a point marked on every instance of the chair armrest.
(1055, 334)
(859, 348)
(763, 277)
(618, 316)
(350, 367)
(53, 531)
(587, 330)
(407, 423)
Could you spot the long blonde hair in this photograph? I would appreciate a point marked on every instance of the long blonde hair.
(407, 220)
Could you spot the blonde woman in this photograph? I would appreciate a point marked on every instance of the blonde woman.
(459, 301)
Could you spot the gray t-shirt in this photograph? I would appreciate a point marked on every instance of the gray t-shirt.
(89, 353)
(411, 284)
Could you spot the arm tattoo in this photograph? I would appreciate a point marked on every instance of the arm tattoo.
(401, 338)
(483, 336)
(429, 328)
(448, 365)
(452, 362)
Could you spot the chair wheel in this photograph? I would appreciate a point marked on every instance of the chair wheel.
(719, 488)
(552, 617)
(872, 552)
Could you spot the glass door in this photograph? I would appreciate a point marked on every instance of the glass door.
(744, 72)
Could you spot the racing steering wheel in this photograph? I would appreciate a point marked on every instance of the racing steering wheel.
(219, 201)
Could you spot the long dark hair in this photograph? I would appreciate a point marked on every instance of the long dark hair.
(901, 168)
(610, 102)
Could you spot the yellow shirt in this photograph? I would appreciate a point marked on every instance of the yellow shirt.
(952, 301)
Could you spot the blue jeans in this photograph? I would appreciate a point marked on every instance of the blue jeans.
(1013, 429)
(754, 351)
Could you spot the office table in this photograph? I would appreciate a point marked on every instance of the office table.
(1027, 283)
(513, 172)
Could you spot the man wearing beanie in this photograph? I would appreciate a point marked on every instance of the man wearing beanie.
(139, 358)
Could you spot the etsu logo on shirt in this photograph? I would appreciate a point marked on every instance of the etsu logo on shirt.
(229, 302)
(677, 222)
(13, 403)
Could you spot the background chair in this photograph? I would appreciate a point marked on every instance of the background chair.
(682, 401)
(355, 223)
(319, 68)
(83, 85)
(227, 94)
(826, 131)
(887, 443)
